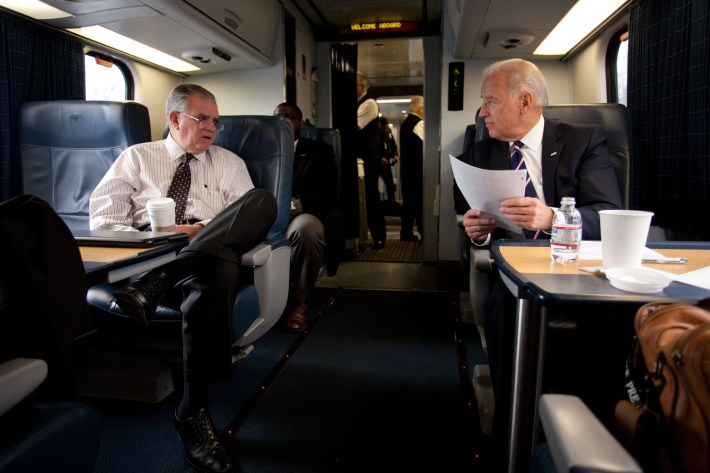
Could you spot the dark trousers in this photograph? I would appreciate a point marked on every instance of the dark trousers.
(412, 205)
(375, 214)
(499, 328)
(208, 294)
(587, 361)
(388, 179)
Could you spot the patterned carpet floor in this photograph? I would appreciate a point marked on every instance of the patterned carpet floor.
(395, 251)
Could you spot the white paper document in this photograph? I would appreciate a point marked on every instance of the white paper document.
(592, 249)
(699, 277)
(485, 189)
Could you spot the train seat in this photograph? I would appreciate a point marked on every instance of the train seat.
(42, 436)
(66, 147)
(613, 117)
(576, 441)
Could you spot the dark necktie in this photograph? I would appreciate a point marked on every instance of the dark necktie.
(180, 186)
(517, 162)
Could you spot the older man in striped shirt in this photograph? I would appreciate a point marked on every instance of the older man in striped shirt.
(214, 191)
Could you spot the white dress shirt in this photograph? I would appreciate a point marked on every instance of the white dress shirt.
(532, 151)
(144, 171)
(366, 112)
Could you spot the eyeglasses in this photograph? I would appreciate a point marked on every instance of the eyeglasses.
(289, 116)
(206, 124)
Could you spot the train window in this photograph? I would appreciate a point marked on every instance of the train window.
(617, 66)
(107, 78)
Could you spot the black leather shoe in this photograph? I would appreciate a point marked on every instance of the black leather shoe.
(411, 237)
(202, 448)
(139, 299)
(378, 245)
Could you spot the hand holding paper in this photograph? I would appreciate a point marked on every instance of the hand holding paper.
(485, 189)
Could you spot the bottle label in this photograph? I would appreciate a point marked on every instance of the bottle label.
(568, 236)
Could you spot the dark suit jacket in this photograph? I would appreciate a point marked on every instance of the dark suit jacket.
(316, 182)
(575, 163)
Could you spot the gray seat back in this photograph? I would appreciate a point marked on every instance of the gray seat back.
(66, 147)
(265, 143)
(329, 136)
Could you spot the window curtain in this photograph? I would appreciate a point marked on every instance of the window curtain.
(669, 104)
(36, 63)
(344, 113)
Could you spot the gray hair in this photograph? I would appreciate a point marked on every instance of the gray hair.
(522, 76)
(416, 103)
(177, 100)
(362, 78)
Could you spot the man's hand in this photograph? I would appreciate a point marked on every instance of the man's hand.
(478, 228)
(191, 230)
(528, 212)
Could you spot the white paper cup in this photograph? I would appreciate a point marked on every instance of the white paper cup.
(161, 212)
(624, 234)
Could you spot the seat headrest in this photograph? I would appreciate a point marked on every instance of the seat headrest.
(615, 120)
(266, 145)
(66, 147)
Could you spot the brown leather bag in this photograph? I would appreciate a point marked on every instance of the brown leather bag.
(675, 341)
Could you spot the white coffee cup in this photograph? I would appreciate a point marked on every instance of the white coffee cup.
(624, 234)
(161, 212)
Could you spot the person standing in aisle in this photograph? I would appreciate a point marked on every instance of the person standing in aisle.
(368, 149)
(411, 141)
(389, 157)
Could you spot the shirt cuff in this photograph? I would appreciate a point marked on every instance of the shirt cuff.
(485, 242)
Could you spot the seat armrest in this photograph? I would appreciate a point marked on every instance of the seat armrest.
(18, 378)
(578, 441)
(257, 256)
(482, 259)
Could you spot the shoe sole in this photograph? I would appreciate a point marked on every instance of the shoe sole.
(125, 302)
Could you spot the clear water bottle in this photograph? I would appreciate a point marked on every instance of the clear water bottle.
(566, 238)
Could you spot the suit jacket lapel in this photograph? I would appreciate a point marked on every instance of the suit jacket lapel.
(552, 147)
(500, 159)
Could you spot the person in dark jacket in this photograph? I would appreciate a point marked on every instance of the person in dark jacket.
(369, 150)
(411, 138)
(561, 160)
(316, 227)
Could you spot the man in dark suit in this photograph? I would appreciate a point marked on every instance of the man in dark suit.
(562, 160)
(316, 227)
(411, 140)
(369, 150)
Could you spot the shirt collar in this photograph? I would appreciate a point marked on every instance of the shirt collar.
(176, 152)
(533, 139)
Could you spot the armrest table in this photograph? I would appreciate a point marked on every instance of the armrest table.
(538, 284)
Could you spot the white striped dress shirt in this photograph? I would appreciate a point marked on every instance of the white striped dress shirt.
(144, 171)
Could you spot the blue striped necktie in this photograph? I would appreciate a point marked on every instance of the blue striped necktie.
(517, 162)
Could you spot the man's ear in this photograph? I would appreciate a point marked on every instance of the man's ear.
(526, 101)
(173, 120)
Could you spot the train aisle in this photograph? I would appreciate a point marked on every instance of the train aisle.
(375, 386)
